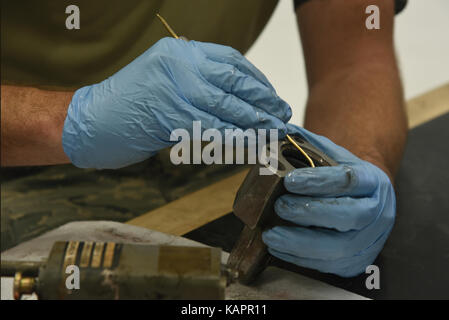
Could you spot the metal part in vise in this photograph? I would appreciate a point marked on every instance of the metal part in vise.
(121, 271)
(254, 206)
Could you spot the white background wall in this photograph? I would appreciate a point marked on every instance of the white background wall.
(422, 43)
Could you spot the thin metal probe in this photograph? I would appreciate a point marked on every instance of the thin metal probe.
(169, 29)
(293, 142)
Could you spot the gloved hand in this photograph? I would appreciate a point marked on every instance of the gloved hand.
(344, 214)
(129, 116)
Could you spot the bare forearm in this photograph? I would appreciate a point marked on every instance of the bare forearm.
(31, 126)
(361, 109)
(355, 92)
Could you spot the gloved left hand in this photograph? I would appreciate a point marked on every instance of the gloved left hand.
(344, 214)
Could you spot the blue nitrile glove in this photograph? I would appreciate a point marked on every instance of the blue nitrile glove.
(128, 117)
(344, 213)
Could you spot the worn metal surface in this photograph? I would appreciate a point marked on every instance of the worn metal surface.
(273, 283)
(254, 206)
(125, 271)
(27, 268)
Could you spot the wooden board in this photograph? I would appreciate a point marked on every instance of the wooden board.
(194, 210)
(428, 106)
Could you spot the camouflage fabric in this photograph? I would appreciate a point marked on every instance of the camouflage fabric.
(37, 199)
(37, 50)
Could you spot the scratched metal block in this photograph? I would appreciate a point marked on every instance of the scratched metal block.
(254, 205)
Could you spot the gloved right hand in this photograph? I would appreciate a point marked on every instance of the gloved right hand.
(343, 214)
(128, 117)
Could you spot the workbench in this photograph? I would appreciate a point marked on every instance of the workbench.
(274, 283)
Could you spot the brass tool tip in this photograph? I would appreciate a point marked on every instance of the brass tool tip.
(169, 29)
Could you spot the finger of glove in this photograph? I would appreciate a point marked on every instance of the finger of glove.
(228, 78)
(204, 96)
(313, 243)
(342, 214)
(343, 180)
(336, 152)
(225, 54)
(184, 117)
(232, 109)
(343, 267)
